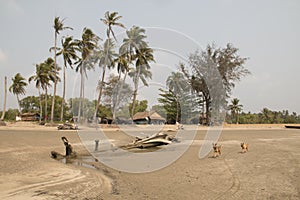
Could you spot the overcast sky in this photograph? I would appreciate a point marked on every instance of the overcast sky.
(265, 31)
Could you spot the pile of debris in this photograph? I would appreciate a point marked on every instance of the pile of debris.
(157, 139)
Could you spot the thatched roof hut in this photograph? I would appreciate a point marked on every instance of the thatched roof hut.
(148, 117)
(30, 116)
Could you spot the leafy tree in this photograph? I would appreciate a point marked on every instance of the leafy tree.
(141, 106)
(58, 27)
(106, 58)
(177, 84)
(11, 114)
(203, 79)
(116, 93)
(235, 109)
(18, 87)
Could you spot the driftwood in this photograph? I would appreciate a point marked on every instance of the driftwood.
(151, 141)
(69, 150)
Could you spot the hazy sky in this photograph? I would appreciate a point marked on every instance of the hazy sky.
(267, 32)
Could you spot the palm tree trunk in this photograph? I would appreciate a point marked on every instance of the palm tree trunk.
(40, 98)
(18, 99)
(4, 101)
(100, 94)
(177, 110)
(64, 96)
(136, 84)
(81, 98)
(116, 103)
(46, 104)
(55, 80)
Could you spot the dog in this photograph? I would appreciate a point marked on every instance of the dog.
(245, 147)
(217, 150)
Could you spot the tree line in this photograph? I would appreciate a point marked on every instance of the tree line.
(132, 59)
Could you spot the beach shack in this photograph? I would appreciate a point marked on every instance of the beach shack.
(148, 117)
(30, 116)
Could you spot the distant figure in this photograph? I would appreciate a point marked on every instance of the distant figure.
(245, 147)
(217, 150)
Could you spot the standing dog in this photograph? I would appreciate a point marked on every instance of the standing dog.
(245, 147)
(217, 150)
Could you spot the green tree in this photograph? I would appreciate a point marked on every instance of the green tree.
(141, 106)
(235, 109)
(178, 85)
(116, 94)
(110, 20)
(51, 75)
(41, 78)
(106, 58)
(230, 66)
(58, 27)
(18, 87)
(86, 47)
(68, 52)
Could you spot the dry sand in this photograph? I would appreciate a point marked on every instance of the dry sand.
(270, 170)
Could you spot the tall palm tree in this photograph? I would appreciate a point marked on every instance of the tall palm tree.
(106, 58)
(68, 51)
(58, 26)
(111, 20)
(177, 85)
(18, 87)
(4, 101)
(39, 75)
(235, 108)
(142, 71)
(48, 68)
(85, 46)
(134, 48)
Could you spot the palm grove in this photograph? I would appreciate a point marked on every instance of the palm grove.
(187, 89)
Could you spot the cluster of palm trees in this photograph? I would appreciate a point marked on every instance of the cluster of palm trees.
(132, 59)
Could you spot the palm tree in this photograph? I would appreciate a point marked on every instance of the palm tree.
(111, 20)
(106, 58)
(39, 74)
(85, 46)
(142, 71)
(58, 26)
(48, 68)
(235, 108)
(18, 87)
(135, 48)
(177, 85)
(4, 101)
(68, 51)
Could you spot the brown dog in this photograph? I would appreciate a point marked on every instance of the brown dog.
(245, 147)
(217, 150)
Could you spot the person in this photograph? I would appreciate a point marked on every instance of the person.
(69, 149)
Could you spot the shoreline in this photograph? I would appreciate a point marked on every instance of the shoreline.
(36, 126)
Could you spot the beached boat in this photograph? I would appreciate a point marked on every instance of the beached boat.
(292, 126)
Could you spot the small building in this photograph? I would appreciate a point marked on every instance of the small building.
(30, 116)
(148, 117)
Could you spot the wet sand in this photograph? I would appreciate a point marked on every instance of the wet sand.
(270, 170)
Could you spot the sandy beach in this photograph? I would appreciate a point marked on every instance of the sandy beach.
(270, 170)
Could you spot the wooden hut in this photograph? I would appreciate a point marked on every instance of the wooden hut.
(148, 117)
(30, 116)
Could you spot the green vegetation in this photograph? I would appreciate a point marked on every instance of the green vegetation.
(193, 94)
